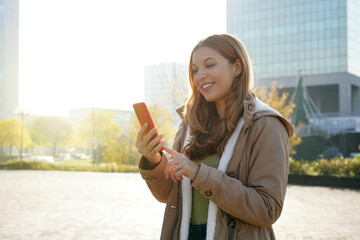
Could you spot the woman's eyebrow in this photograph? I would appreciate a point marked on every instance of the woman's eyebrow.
(206, 59)
(209, 59)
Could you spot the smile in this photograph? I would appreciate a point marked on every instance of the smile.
(207, 85)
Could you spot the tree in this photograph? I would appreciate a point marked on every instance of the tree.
(164, 122)
(279, 103)
(125, 151)
(119, 151)
(36, 136)
(299, 115)
(175, 85)
(98, 130)
(10, 134)
(53, 131)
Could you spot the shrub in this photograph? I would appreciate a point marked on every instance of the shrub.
(338, 166)
(64, 166)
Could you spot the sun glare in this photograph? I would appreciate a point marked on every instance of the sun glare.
(77, 53)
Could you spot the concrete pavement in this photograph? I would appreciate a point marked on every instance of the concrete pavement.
(319, 213)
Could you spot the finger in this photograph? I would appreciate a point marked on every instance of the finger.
(149, 135)
(143, 129)
(171, 164)
(154, 142)
(140, 134)
(176, 172)
(167, 170)
(173, 171)
(172, 152)
(179, 174)
(157, 148)
(145, 141)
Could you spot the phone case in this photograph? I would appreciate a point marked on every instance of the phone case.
(143, 115)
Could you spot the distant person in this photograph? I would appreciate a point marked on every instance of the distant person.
(227, 176)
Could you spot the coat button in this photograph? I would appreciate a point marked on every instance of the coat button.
(231, 174)
(208, 193)
(150, 179)
(250, 107)
(257, 114)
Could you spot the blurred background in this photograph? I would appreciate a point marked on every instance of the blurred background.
(70, 71)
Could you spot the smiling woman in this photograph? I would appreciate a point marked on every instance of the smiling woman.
(230, 153)
(92, 54)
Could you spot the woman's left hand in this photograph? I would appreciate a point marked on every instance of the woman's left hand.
(180, 165)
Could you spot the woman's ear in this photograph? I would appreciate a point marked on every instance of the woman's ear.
(237, 67)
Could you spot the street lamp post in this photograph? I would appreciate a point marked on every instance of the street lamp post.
(22, 113)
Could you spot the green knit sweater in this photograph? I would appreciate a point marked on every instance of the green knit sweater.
(200, 204)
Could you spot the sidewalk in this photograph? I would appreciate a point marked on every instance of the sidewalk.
(319, 213)
(55, 205)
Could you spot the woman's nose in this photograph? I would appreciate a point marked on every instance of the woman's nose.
(201, 74)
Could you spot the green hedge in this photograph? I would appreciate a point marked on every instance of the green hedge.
(63, 166)
(337, 167)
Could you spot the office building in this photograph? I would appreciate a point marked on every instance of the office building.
(9, 57)
(166, 84)
(321, 38)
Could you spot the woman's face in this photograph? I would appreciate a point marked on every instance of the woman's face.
(213, 74)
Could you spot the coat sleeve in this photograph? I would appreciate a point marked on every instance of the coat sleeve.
(155, 178)
(261, 201)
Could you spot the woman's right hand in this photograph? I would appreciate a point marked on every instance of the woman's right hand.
(149, 149)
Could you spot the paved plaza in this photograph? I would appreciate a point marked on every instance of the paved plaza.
(51, 205)
(319, 213)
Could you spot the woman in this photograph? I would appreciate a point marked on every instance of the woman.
(228, 173)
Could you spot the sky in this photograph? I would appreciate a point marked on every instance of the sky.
(90, 53)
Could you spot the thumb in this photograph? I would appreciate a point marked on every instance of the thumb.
(171, 151)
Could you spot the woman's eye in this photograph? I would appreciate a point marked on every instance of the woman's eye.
(194, 70)
(210, 65)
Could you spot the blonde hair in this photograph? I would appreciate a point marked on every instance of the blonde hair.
(209, 132)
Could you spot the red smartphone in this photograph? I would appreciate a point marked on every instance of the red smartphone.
(143, 115)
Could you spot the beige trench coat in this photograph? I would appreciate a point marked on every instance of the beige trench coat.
(250, 195)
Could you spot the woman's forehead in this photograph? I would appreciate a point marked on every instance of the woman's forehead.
(203, 54)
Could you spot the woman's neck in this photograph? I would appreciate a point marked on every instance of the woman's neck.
(220, 107)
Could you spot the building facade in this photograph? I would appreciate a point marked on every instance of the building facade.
(166, 84)
(320, 38)
(9, 57)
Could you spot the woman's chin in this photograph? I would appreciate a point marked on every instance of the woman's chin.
(208, 98)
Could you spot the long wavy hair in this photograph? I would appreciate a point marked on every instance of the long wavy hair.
(209, 132)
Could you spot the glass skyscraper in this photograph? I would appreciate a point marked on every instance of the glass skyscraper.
(9, 57)
(319, 37)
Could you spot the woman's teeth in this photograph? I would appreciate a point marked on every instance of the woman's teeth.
(207, 85)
